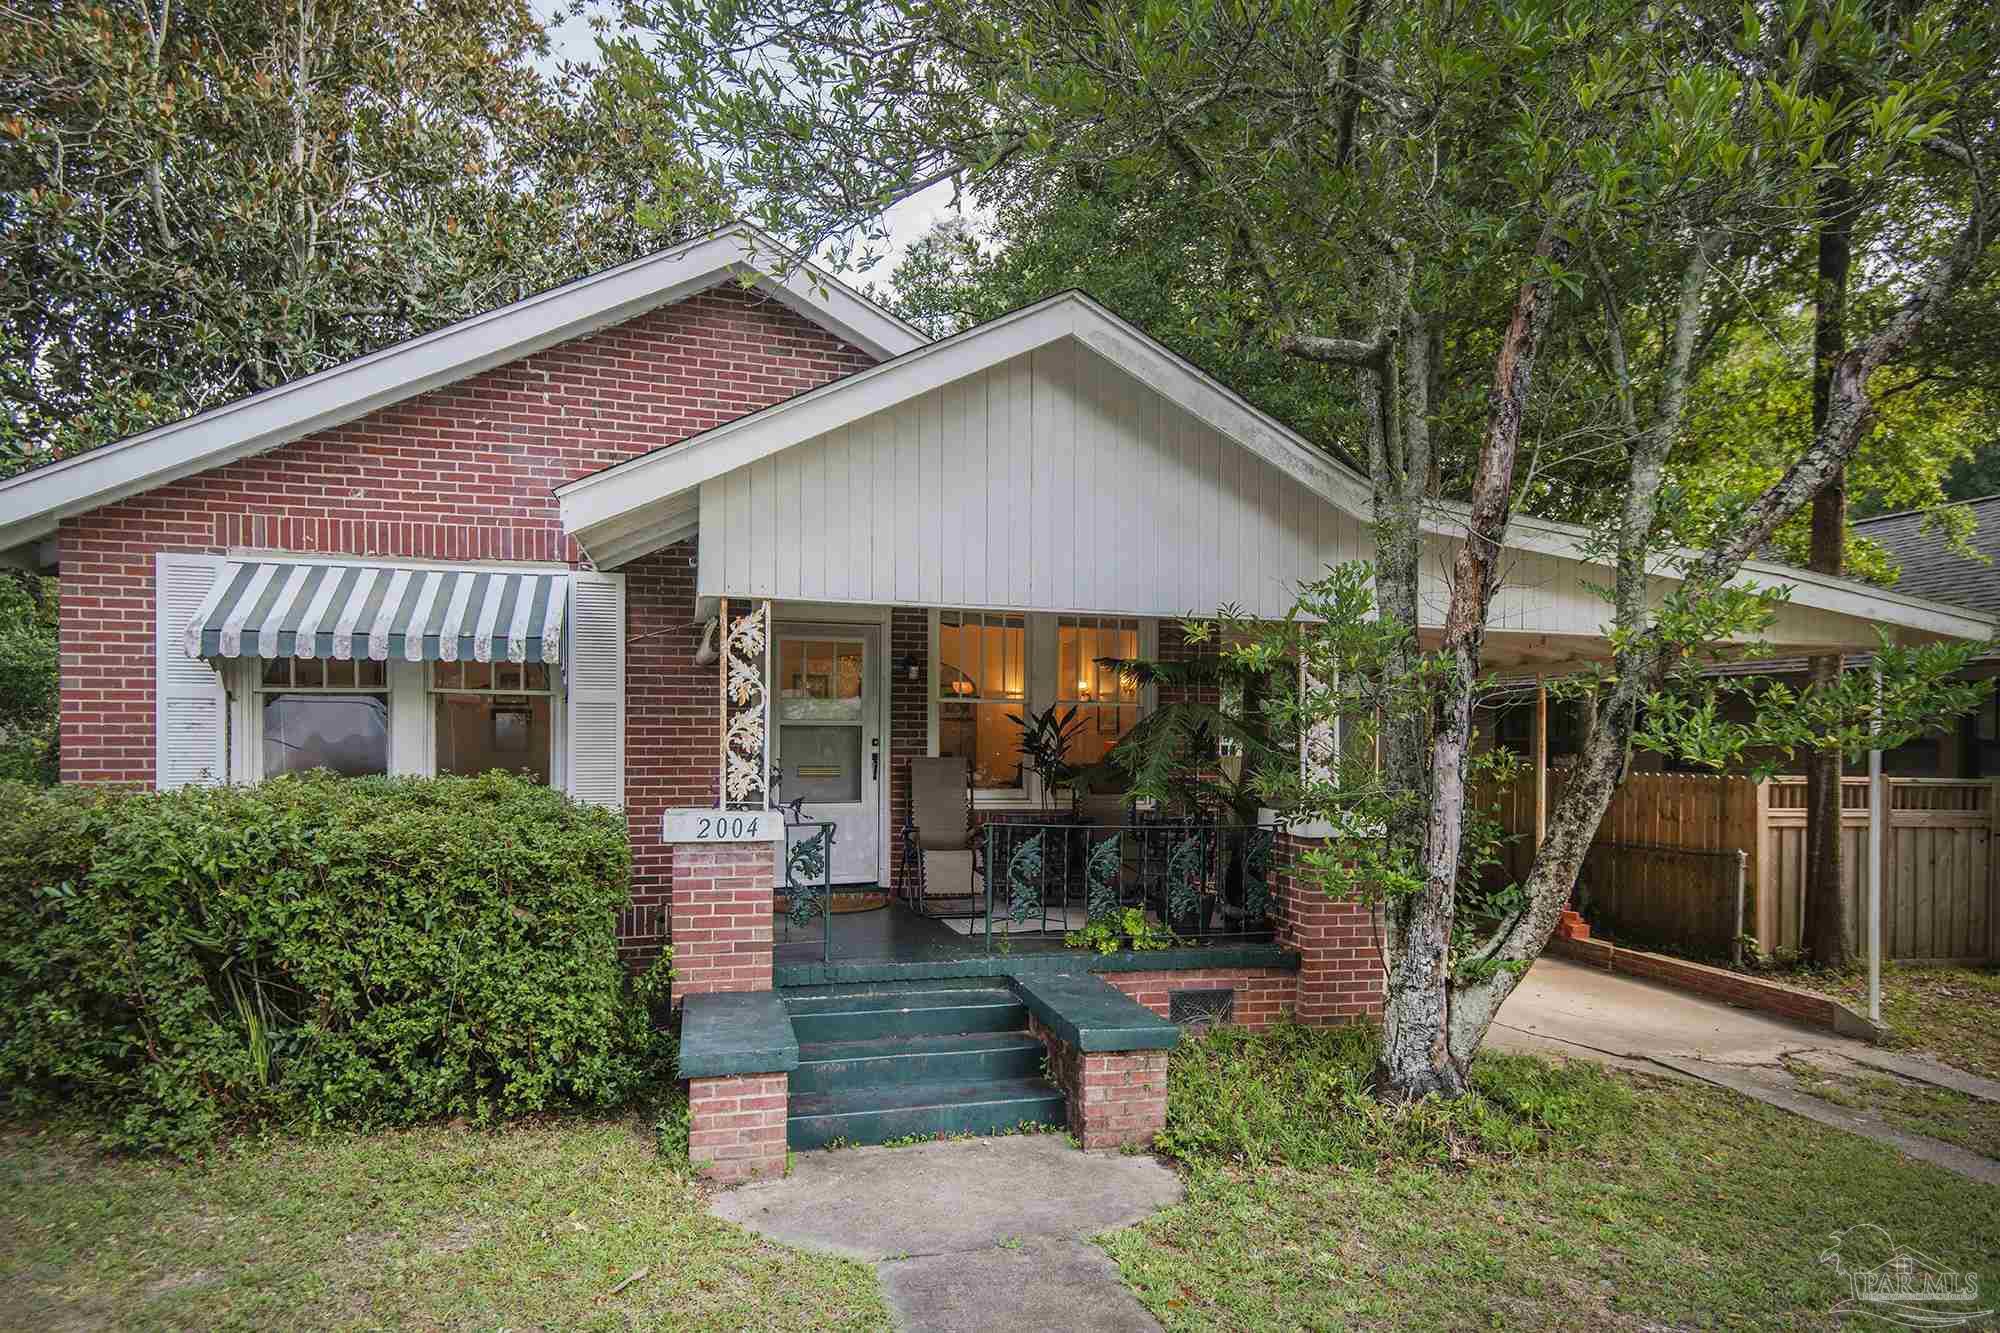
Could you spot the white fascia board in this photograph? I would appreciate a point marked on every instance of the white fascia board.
(1821, 592)
(661, 477)
(33, 503)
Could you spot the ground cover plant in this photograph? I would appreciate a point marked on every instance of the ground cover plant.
(534, 1224)
(1560, 1197)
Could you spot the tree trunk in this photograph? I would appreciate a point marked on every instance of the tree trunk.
(1416, 1020)
(1826, 917)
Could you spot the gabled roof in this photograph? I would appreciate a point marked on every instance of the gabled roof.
(1930, 568)
(643, 503)
(33, 503)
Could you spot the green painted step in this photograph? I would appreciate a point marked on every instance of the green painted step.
(905, 1014)
(878, 1114)
(962, 1057)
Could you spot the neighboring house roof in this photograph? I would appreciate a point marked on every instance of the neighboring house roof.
(34, 503)
(641, 504)
(1931, 568)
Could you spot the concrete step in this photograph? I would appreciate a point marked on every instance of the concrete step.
(959, 1057)
(905, 1013)
(877, 1114)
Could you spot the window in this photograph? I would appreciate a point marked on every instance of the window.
(982, 678)
(1106, 703)
(492, 715)
(315, 713)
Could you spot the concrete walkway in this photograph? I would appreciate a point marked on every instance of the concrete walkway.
(1564, 1008)
(970, 1236)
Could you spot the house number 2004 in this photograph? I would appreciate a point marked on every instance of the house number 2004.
(727, 830)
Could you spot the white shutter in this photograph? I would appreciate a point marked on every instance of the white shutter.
(594, 667)
(189, 730)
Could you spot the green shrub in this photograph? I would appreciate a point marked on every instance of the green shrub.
(313, 950)
(1301, 1097)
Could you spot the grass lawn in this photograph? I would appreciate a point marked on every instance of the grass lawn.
(526, 1227)
(1951, 1012)
(1916, 1108)
(1685, 1207)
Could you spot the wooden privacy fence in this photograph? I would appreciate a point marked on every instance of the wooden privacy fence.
(1666, 861)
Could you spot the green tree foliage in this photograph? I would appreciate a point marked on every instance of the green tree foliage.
(1515, 230)
(203, 198)
(317, 950)
(29, 664)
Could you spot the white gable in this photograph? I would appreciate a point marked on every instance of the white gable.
(1057, 459)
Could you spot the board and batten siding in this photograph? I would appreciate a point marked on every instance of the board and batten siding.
(1055, 481)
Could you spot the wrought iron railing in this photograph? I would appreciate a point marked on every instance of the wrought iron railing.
(809, 877)
(1199, 880)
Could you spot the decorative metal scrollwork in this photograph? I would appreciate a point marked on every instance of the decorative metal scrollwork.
(1024, 879)
(1186, 869)
(745, 707)
(1257, 873)
(1101, 877)
(806, 865)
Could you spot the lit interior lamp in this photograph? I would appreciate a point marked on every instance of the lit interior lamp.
(961, 686)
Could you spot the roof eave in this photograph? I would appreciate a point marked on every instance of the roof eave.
(33, 504)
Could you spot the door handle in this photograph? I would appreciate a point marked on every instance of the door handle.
(875, 767)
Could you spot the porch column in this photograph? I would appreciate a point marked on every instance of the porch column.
(1541, 762)
(1340, 971)
(725, 856)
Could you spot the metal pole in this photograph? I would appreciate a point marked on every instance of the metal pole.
(1878, 818)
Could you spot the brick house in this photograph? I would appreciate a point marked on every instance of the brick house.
(540, 538)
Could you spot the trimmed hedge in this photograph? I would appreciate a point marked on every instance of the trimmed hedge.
(314, 950)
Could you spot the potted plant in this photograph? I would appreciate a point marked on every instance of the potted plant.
(1045, 740)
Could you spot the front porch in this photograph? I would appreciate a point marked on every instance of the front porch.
(895, 942)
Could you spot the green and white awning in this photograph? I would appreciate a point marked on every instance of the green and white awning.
(287, 608)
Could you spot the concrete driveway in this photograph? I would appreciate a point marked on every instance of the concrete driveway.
(1566, 1009)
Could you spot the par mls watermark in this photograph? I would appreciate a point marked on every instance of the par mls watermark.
(1898, 1285)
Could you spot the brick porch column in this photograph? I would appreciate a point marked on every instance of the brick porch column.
(1340, 974)
(722, 904)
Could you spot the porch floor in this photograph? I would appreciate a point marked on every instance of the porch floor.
(896, 944)
(896, 933)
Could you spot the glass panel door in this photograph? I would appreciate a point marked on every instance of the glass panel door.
(828, 718)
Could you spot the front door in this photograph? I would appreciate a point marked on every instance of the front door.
(828, 681)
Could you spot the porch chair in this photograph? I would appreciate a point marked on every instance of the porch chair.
(940, 854)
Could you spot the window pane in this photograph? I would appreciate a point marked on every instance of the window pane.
(983, 736)
(278, 671)
(537, 675)
(445, 675)
(370, 674)
(480, 732)
(477, 675)
(340, 675)
(308, 672)
(348, 733)
(819, 680)
(1102, 727)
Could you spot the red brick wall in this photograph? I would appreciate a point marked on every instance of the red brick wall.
(1114, 1099)
(909, 718)
(462, 472)
(736, 1126)
(1340, 970)
(722, 903)
(1264, 995)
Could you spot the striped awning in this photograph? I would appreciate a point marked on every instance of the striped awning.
(285, 608)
